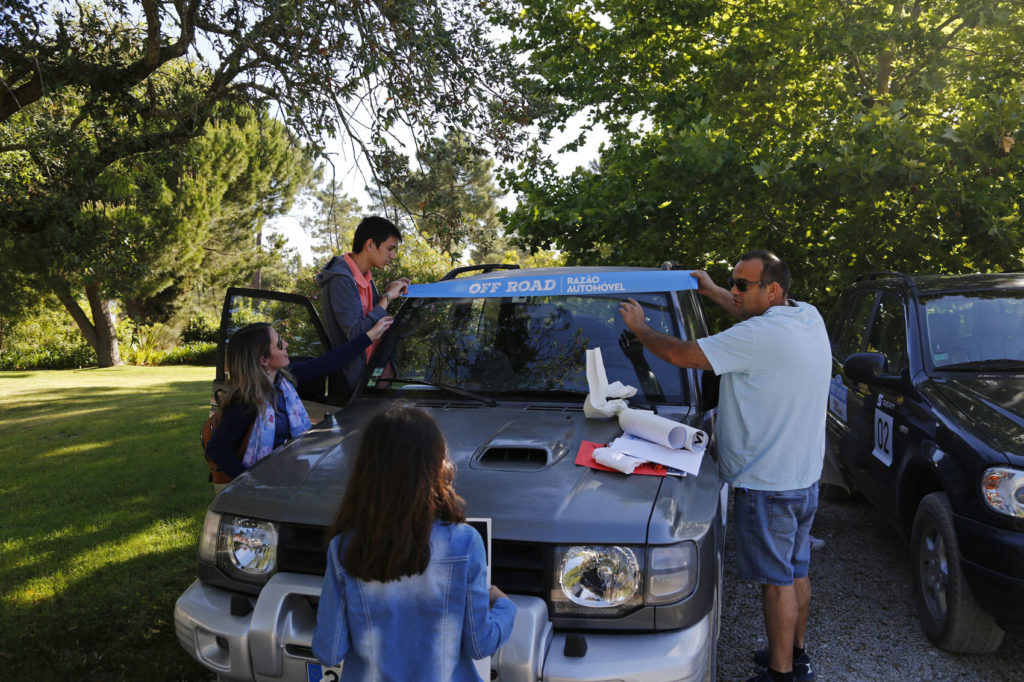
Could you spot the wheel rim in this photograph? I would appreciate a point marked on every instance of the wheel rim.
(933, 569)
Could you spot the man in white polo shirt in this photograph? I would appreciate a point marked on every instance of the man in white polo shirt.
(775, 366)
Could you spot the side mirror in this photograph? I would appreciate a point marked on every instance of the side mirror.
(869, 368)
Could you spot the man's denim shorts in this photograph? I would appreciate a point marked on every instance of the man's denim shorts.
(773, 530)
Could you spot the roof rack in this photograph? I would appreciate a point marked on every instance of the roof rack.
(907, 279)
(484, 269)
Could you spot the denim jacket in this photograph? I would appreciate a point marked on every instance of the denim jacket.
(422, 627)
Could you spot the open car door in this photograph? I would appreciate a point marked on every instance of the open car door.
(298, 323)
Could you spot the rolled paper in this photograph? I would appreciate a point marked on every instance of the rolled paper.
(649, 426)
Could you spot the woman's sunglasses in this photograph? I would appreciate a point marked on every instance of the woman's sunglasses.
(742, 284)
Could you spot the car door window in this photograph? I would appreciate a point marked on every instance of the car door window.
(851, 337)
(889, 333)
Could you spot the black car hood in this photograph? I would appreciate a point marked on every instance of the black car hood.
(992, 404)
(559, 502)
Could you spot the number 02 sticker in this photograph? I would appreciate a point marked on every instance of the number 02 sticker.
(883, 438)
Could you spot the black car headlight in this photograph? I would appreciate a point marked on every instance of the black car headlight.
(243, 548)
(612, 580)
(1003, 490)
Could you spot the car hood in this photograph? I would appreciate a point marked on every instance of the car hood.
(555, 502)
(991, 404)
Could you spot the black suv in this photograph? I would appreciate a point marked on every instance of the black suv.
(926, 419)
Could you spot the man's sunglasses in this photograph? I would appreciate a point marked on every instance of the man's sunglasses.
(742, 284)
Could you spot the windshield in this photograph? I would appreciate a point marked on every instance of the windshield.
(975, 327)
(528, 346)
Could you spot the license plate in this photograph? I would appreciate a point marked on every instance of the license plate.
(317, 673)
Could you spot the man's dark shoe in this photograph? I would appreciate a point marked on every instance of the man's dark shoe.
(803, 669)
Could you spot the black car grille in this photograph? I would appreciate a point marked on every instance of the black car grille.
(516, 567)
(520, 567)
(302, 549)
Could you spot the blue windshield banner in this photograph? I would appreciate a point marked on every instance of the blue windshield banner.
(587, 284)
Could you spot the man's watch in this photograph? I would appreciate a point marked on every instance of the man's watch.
(388, 297)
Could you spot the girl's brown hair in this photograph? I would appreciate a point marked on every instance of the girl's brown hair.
(401, 482)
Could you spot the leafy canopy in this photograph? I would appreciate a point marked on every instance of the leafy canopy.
(845, 136)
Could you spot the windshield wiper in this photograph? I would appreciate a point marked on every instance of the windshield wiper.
(1000, 365)
(454, 390)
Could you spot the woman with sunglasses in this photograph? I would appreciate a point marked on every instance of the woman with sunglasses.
(261, 409)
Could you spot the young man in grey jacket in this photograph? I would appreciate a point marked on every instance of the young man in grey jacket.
(350, 301)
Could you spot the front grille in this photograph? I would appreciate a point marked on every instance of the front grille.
(301, 549)
(520, 567)
(516, 567)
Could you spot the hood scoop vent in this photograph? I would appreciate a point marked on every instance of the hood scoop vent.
(519, 455)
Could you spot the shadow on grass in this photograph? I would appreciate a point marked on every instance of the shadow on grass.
(104, 491)
(116, 625)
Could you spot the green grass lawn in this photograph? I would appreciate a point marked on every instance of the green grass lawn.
(103, 490)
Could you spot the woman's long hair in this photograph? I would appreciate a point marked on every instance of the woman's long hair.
(401, 482)
(248, 383)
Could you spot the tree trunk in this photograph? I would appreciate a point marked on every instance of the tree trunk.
(108, 353)
(100, 335)
(257, 277)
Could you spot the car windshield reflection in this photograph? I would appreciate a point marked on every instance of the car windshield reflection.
(976, 331)
(525, 347)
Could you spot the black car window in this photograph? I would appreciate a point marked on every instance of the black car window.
(851, 337)
(975, 327)
(889, 333)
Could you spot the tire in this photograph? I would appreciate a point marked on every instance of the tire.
(946, 608)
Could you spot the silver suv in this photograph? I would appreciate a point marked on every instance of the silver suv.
(614, 576)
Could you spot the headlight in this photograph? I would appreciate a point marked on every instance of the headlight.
(1003, 489)
(607, 578)
(247, 548)
(671, 572)
(208, 541)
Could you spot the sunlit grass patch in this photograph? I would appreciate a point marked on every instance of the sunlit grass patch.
(104, 489)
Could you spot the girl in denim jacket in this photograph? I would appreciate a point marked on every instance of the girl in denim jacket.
(405, 594)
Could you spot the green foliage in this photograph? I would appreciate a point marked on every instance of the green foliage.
(201, 327)
(117, 176)
(417, 259)
(50, 355)
(192, 353)
(158, 231)
(365, 72)
(42, 336)
(333, 225)
(149, 343)
(845, 137)
(449, 197)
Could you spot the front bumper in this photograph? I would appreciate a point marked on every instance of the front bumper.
(993, 564)
(272, 642)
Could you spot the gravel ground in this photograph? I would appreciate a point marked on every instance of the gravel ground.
(863, 623)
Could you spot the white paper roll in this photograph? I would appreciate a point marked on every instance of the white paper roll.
(650, 426)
